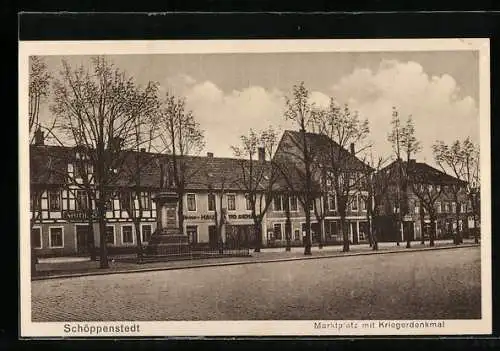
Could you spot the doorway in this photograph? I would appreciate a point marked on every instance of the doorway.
(212, 236)
(82, 239)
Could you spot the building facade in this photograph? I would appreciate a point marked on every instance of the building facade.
(446, 194)
(64, 218)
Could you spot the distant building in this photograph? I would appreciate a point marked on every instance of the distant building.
(411, 217)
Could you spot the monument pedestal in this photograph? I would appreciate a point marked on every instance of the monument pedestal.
(168, 239)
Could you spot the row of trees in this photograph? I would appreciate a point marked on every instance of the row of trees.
(112, 122)
(116, 122)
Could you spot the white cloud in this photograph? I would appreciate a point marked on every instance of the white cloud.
(226, 116)
(434, 102)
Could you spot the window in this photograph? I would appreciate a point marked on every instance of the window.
(331, 202)
(446, 207)
(145, 201)
(453, 207)
(192, 232)
(82, 201)
(231, 202)
(127, 237)
(54, 200)
(191, 202)
(56, 237)
(354, 204)
(211, 202)
(362, 204)
(110, 235)
(297, 234)
(416, 208)
(146, 232)
(35, 203)
(438, 207)
(248, 202)
(332, 229)
(463, 206)
(109, 201)
(125, 201)
(277, 231)
(36, 237)
(293, 203)
(278, 203)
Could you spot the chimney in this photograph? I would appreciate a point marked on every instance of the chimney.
(210, 154)
(143, 149)
(262, 154)
(352, 148)
(39, 138)
(412, 162)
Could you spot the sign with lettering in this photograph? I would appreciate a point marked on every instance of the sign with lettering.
(79, 215)
(212, 217)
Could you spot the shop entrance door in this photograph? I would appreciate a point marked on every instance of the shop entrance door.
(82, 239)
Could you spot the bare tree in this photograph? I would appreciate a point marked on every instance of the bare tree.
(377, 183)
(139, 160)
(99, 109)
(343, 130)
(404, 144)
(218, 185)
(258, 176)
(471, 175)
(428, 191)
(459, 159)
(296, 161)
(39, 84)
(182, 136)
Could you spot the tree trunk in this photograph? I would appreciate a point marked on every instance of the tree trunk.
(369, 228)
(458, 235)
(432, 234)
(321, 233)
(34, 258)
(345, 233)
(398, 231)
(91, 242)
(288, 232)
(103, 259)
(476, 231)
(258, 234)
(307, 239)
(138, 239)
(408, 239)
(374, 238)
(180, 211)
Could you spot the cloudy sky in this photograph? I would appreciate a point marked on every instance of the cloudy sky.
(231, 93)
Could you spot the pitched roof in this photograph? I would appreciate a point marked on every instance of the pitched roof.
(324, 148)
(48, 166)
(423, 171)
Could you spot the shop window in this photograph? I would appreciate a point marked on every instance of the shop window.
(146, 232)
(56, 237)
(127, 236)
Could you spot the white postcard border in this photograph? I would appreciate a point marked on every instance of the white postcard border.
(255, 328)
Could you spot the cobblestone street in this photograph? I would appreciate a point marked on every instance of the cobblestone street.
(441, 284)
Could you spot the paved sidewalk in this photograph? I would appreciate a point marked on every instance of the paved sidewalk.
(60, 268)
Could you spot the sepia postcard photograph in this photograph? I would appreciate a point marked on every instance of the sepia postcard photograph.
(255, 188)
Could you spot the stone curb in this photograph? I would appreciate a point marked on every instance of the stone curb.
(142, 270)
